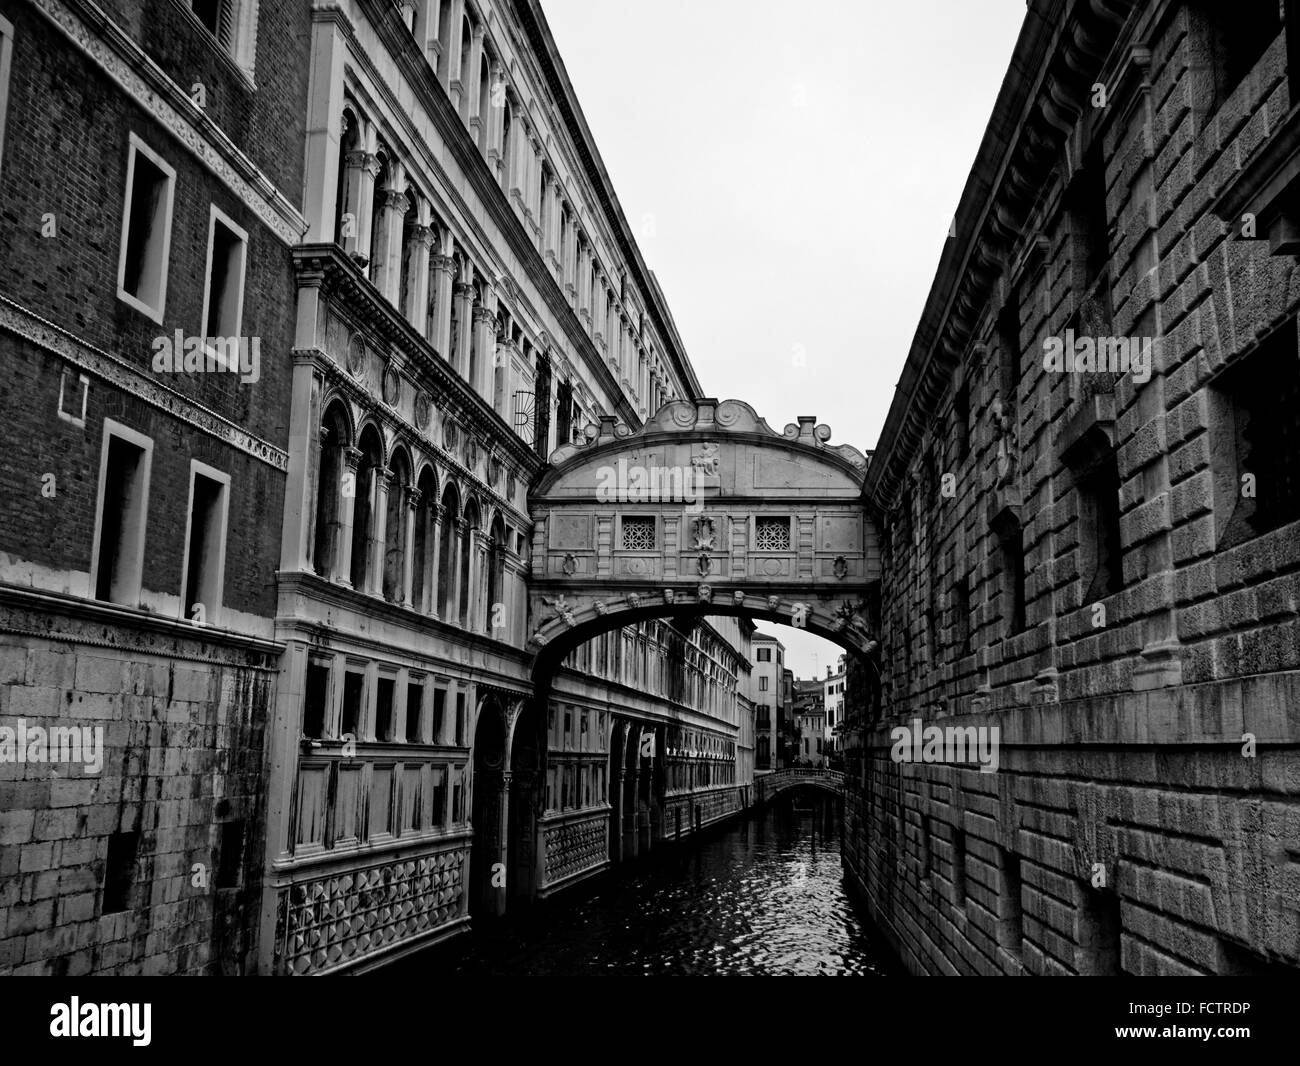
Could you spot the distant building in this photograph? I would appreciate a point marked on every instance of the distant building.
(833, 701)
(767, 691)
(809, 716)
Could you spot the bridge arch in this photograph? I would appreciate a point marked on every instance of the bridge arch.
(704, 510)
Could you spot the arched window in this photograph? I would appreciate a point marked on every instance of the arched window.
(363, 516)
(466, 36)
(507, 146)
(423, 565)
(447, 553)
(496, 563)
(377, 213)
(349, 143)
(444, 38)
(484, 102)
(335, 438)
(395, 528)
(467, 568)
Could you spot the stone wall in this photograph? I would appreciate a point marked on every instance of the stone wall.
(1141, 817)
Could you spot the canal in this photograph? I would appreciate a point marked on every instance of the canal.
(764, 896)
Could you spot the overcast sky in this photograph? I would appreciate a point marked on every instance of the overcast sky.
(790, 172)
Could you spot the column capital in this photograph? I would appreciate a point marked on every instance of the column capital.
(464, 290)
(352, 457)
(444, 263)
(412, 496)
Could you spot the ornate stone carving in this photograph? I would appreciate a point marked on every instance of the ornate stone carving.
(738, 598)
(669, 596)
(634, 601)
(449, 436)
(600, 607)
(704, 534)
(392, 386)
(570, 564)
(1008, 450)
(841, 567)
(773, 603)
(356, 357)
(561, 608)
(423, 410)
(704, 593)
(704, 564)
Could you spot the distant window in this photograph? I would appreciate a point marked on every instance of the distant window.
(146, 230)
(123, 507)
(772, 534)
(316, 699)
(354, 687)
(638, 533)
(414, 712)
(233, 27)
(1256, 439)
(205, 546)
(384, 708)
(223, 290)
(762, 684)
(119, 872)
(764, 655)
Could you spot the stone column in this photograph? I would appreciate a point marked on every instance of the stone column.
(436, 514)
(571, 263)
(551, 231)
(485, 317)
(474, 111)
(362, 168)
(496, 119)
(456, 531)
(412, 501)
(426, 30)
(379, 509)
(453, 85)
(584, 285)
(444, 271)
(386, 270)
(464, 292)
(417, 269)
(296, 543)
(498, 894)
(347, 513)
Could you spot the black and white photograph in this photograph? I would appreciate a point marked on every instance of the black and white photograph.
(612, 488)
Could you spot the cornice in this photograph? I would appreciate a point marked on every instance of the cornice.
(1062, 48)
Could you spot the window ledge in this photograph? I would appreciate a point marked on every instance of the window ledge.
(1088, 434)
(1268, 188)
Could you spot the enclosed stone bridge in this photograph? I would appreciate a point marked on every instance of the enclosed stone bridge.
(704, 510)
(766, 786)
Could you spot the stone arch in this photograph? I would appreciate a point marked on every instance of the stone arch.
(448, 550)
(424, 562)
(336, 437)
(395, 547)
(370, 443)
(487, 806)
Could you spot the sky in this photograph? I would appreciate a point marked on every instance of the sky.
(790, 172)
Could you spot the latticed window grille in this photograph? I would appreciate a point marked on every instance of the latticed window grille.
(772, 534)
(639, 534)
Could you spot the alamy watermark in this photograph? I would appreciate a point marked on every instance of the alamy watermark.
(652, 484)
(180, 354)
(946, 744)
(1073, 354)
(59, 744)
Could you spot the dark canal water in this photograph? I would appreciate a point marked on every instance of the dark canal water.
(765, 895)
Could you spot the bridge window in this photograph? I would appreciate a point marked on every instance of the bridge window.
(772, 534)
(638, 533)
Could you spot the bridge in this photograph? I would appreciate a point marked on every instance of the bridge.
(768, 786)
(704, 510)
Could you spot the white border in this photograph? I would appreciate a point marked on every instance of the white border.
(136, 145)
(131, 436)
(211, 611)
(215, 214)
(6, 57)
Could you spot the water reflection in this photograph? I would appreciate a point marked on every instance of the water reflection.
(765, 896)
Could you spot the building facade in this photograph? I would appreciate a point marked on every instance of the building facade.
(151, 168)
(360, 269)
(767, 680)
(833, 700)
(1090, 530)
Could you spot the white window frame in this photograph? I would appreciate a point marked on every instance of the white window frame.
(242, 53)
(215, 214)
(131, 436)
(211, 611)
(135, 147)
(6, 58)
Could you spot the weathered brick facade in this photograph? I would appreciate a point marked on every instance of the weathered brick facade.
(152, 863)
(1141, 667)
